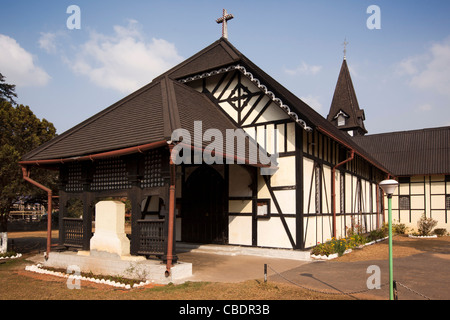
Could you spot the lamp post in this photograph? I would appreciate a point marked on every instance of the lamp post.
(389, 187)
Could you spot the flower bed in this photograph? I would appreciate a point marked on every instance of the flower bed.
(38, 269)
(335, 255)
(329, 257)
(337, 247)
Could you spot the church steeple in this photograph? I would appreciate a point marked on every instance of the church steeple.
(345, 113)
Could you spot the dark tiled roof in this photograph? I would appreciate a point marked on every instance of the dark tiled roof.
(414, 152)
(131, 121)
(151, 113)
(344, 99)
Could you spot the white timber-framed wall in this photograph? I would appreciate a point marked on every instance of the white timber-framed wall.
(292, 208)
(422, 194)
(358, 201)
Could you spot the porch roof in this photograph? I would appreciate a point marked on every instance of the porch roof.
(141, 121)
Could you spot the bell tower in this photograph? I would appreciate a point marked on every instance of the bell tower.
(345, 113)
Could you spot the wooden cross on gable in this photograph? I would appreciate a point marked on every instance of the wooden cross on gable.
(224, 21)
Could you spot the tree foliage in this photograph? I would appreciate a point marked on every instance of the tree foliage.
(7, 91)
(20, 132)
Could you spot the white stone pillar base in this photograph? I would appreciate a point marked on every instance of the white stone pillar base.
(110, 233)
(3, 242)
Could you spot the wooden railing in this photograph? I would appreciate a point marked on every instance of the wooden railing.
(151, 237)
(73, 232)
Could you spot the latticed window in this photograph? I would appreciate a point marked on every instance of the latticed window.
(447, 201)
(74, 183)
(318, 188)
(342, 192)
(153, 170)
(404, 202)
(110, 174)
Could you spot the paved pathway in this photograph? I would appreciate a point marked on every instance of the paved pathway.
(425, 275)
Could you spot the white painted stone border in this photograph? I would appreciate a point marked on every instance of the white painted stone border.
(38, 269)
(331, 256)
(17, 255)
(335, 255)
(422, 237)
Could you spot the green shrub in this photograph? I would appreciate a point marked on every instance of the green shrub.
(338, 246)
(425, 225)
(356, 240)
(322, 249)
(440, 232)
(376, 234)
(399, 228)
(353, 240)
(8, 254)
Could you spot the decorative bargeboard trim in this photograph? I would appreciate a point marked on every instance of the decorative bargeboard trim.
(256, 81)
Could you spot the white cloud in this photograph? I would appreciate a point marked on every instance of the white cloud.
(313, 102)
(430, 71)
(425, 107)
(18, 65)
(47, 42)
(304, 69)
(124, 61)
(408, 66)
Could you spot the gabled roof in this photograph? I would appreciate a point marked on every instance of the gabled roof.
(344, 100)
(218, 54)
(149, 115)
(152, 113)
(415, 152)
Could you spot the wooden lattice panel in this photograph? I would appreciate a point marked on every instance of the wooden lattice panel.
(74, 178)
(110, 174)
(152, 170)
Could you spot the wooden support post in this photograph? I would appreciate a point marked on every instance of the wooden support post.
(135, 169)
(87, 198)
(87, 219)
(62, 214)
(135, 197)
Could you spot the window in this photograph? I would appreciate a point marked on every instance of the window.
(341, 120)
(447, 202)
(263, 210)
(404, 202)
(404, 179)
(318, 184)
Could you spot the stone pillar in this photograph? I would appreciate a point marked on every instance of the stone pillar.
(109, 233)
(3, 242)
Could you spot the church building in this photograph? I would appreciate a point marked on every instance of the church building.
(318, 183)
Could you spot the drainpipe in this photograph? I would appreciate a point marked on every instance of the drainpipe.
(26, 176)
(169, 256)
(333, 187)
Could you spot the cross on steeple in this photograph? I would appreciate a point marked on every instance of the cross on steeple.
(223, 20)
(345, 48)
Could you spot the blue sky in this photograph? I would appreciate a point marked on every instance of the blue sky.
(401, 72)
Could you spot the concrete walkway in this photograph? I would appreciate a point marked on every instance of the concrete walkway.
(421, 276)
(226, 263)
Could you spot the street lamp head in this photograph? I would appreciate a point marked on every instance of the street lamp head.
(389, 186)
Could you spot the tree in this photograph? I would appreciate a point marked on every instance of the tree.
(20, 132)
(7, 91)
